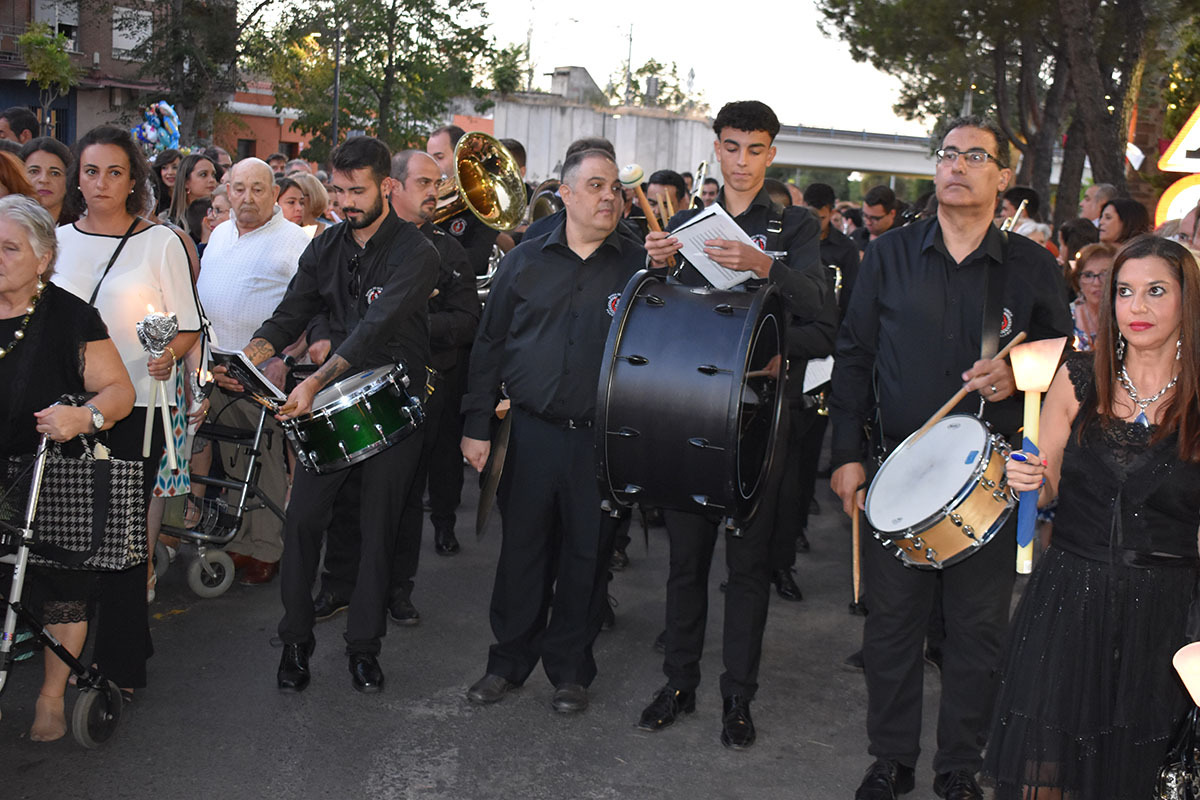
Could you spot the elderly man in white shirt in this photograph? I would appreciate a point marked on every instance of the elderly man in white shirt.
(249, 261)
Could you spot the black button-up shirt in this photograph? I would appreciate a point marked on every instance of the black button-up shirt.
(798, 273)
(454, 311)
(916, 320)
(474, 236)
(375, 297)
(838, 251)
(544, 328)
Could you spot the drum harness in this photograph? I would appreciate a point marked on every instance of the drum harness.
(993, 319)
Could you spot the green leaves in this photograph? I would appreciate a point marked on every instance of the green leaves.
(49, 65)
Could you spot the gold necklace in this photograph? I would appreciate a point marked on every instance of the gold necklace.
(20, 334)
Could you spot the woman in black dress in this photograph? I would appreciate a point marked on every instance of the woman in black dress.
(1089, 699)
(51, 344)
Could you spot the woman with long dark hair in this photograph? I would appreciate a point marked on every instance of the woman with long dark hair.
(1121, 219)
(46, 163)
(166, 168)
(197, 177)
(1089, 700)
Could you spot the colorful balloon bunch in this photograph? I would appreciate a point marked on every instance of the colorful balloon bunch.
(160, 128)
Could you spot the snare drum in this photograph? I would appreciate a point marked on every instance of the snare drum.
(354, 419)
(937, 499)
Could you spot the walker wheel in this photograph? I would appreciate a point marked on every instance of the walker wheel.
(96, 715)
(213, 581)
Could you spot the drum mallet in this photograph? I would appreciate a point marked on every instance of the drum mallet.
(1034, 365)
(962, 393)
(856, 608)
(631, 175)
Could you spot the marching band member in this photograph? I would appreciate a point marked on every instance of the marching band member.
(914, 330)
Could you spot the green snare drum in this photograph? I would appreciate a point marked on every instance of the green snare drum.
(354, 419)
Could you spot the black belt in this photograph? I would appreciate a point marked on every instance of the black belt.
(566, 423)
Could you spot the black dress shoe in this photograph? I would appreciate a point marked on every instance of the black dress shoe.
(785, 585)
(293, 674)
(402, 611)
(328, 604)
(885, 780)
(666, 707)
(569, 698)
(854, 662)
(958, 784)
(489, 689)
(802, 545)
(737, 729)
(445, 543)
(660, 642)
(365, 673)
(619, 560)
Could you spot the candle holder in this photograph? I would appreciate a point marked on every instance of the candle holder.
(156, 330)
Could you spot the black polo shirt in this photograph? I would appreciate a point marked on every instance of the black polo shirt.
(374, 297)
(544, 328)
(797, 272)
(916, 320)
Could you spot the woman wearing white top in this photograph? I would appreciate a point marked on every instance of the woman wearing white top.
(150, 272)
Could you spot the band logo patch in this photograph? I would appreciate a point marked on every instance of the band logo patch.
(613, 300)
(760, 240)
(373, 293)
(458, 226)
(1006, 323)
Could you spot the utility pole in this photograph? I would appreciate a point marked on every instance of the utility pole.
(629, 70)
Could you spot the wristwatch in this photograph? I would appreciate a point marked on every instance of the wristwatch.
(97, 418)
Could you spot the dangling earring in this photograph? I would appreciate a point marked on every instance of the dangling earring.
(1179, 348)
(1120, 347)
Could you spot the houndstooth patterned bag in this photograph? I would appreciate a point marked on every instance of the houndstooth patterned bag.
(67, 507)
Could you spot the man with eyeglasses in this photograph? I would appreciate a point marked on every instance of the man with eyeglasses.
(372, 276)
(247, 265)
(879, 216)
(932, 305)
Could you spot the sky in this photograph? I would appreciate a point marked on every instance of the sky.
(783, 60)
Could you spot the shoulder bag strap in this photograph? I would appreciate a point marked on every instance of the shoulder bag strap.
(113, 260)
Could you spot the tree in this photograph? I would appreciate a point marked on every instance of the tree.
(193, 49)
(653, 85)
(509, 67)
(401, 63)
(48, 63)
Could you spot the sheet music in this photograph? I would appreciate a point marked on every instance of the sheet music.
(818, 371)
(244, 372)
(713, 222)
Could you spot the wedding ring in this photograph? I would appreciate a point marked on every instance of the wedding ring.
(994, 389)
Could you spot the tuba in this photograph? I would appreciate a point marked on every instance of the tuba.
(545, 200)
(486, 181)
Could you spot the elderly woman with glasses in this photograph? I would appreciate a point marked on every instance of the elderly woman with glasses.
(1092, 267)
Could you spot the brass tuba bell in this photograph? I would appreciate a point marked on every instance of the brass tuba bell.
(486, 181)
(545, 200)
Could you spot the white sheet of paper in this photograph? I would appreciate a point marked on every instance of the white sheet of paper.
(818, 371)
(713, 222)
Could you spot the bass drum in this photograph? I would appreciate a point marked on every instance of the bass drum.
(686, 414)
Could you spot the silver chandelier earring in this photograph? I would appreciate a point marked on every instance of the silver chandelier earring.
(1120, 347)
(1179, 348)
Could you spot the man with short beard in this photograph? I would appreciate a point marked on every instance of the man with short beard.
(249, 261)
(372, 276)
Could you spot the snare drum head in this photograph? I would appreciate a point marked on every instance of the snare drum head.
(921, 477)
(351, 387)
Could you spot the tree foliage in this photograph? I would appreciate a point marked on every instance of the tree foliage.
(48, 63)
(653, 85)
(401, 61)
(509, 69)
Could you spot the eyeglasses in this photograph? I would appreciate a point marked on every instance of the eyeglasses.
(976, 157)
(355, 281)
(1092, 276)
(873, 218)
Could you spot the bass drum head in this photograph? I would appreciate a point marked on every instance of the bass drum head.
(922, 477)
(759, 406)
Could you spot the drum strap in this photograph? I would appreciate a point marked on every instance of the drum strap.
(774, 227)
(993, 303)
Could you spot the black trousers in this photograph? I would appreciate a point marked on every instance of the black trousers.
(551, 579)
(386, 480)
(805, 431)
(692, 539)
(342, 540)
(977, 593)
(446, 459)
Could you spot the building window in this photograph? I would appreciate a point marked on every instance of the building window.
(62, 16)
(290, 149)
(247, 148)
(130, 30)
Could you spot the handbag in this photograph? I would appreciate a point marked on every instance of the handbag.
(91, 512)
(1179, 776)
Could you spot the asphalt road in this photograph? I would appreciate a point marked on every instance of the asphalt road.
(212, 724)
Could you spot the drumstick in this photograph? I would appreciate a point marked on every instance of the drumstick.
(961, 393)
(854, 540)
(670, 207)
(631, 175)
